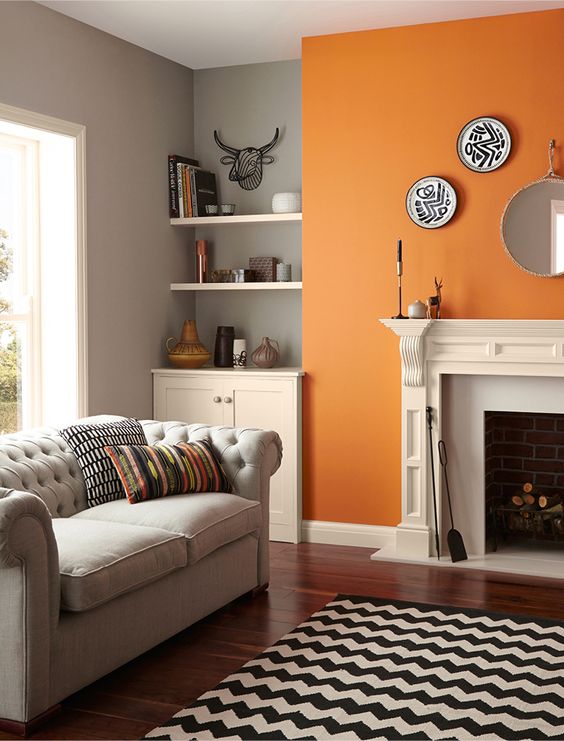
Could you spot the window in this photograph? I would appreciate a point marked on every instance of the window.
(18, 258)
(42, 286)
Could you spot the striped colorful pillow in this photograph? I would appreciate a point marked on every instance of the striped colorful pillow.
(149, 472)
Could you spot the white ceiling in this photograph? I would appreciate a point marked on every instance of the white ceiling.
(218, 33)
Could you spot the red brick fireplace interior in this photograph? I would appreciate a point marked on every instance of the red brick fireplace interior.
(524, 469)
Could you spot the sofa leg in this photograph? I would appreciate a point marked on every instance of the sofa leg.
(259, 590)
(25, 728)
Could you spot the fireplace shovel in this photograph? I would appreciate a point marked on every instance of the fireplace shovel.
(454, 538)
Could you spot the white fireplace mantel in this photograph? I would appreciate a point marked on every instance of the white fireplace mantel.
(430, 349)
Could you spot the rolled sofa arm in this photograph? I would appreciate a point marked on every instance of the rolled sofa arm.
(249, 458)
(29, 603)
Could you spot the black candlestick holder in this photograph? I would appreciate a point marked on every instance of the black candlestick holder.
(400, 272)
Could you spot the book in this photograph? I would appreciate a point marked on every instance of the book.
(204, 191)
(185, 190)
(192, 185)
(179, 191)
(173, 160)
(188, 191)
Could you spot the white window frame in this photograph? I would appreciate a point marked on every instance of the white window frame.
(78, 133)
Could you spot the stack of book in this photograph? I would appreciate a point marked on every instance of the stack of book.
(191, 188)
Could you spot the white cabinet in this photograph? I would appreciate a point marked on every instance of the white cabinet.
(267, 399)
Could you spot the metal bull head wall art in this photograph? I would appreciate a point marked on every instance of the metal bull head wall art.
(246, 164)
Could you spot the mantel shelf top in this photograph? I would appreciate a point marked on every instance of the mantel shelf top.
(476, 327)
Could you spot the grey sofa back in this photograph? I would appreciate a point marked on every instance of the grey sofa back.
(40, 461)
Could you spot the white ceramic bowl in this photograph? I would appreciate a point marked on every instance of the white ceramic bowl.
(286, 203)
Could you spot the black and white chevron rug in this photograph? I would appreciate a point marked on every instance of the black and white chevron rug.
(365, 668)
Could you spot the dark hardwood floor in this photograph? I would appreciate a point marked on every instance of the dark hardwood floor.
(134, 699)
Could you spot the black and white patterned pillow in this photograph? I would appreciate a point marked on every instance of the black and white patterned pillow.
(88, 441)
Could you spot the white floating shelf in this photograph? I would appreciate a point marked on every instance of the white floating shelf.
(242, 219)
(282, 286)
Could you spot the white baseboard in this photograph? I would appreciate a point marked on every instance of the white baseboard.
(345, 533)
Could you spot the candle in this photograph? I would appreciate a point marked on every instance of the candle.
(399, 251)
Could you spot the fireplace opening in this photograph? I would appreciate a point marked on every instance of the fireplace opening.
(524, 479)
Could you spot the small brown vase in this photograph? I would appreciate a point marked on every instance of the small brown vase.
(189, 352)
(266, 355)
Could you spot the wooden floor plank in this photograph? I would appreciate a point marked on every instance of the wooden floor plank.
(147, 691)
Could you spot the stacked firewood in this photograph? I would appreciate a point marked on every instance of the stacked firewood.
(535, 510)
(532, 500)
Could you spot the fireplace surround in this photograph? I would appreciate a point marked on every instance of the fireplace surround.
(461, 368)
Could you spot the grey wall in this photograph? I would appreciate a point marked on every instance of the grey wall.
(246, 104)
(137, 107)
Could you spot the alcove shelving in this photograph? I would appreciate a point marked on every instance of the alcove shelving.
(258, 309)
(276, 286)
(197, 221)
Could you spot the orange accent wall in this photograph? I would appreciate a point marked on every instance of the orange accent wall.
(380, 110)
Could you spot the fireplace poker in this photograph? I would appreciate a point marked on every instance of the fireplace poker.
(454, 538)
(430, 425)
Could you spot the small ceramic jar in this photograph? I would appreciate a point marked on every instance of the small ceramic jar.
(417, 310)
(283, 272)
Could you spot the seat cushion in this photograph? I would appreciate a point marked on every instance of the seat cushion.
(208, 520)
(101, 560)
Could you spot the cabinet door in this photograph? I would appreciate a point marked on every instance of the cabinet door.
(188, 399)
(273, 405)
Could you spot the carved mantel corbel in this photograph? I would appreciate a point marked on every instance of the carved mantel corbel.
(411, 333)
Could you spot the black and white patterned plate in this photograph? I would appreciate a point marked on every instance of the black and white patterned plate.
(431, 202)
(484, 144)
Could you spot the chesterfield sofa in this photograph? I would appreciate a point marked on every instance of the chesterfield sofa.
(84, 590)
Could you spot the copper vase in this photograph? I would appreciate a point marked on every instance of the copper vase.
(266, 355)
(189, 352)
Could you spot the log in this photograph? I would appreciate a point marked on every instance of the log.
(527, 488)
(555, 508)
(546, 502)
(529, 499)
(517, 500)
(529, 508)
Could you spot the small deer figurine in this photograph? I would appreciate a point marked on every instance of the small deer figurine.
(435, 301)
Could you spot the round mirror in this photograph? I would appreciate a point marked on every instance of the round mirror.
(532, 227)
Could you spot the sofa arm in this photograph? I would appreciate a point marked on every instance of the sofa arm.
(29, 603)
(246, 454)
(249, 458)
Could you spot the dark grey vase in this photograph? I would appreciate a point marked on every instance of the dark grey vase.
(223, 354)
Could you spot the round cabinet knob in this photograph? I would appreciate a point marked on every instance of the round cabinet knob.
(217, 399)
(227, 399)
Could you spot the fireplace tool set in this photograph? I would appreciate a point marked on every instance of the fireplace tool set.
(455, 541)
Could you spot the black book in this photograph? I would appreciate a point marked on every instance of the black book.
(204, 190)
(173, 160)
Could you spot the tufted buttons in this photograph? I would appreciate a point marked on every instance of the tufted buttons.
(41, 462)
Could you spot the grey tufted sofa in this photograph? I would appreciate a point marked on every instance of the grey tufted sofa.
(67, 617)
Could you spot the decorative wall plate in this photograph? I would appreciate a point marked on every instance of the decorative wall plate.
(431, 202)
(484, 144)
